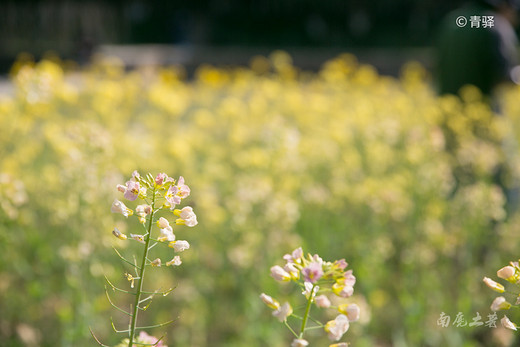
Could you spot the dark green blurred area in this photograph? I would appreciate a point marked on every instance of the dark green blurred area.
(73, 29)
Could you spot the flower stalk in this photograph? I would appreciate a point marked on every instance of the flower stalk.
(142, 272)
(317, 278)
(307, 311)
(157, 194)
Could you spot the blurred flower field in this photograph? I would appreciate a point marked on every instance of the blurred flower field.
(344, 162)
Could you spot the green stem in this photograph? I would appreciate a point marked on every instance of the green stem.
(141, 274)
(291, 329)
(307, 310)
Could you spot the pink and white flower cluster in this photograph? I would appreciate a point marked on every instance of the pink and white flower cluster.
(157, 193)
(510, 273)
(317, 279)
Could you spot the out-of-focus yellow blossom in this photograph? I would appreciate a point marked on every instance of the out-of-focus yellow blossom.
(345, 160)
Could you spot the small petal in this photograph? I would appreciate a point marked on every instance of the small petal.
(310, 289)
(138, 238)
(143, 210)
(159, 179)
(342, 290)
(283, 312)
(156, 262)
(135, 176)
(167, 234)
(163, 223)
(292, 270)
(120, 207)
(299, 343)
(352, 311)
(506, 323)
(184, 190)
(179, 246)
(312, 272)
(132, 190)
(176, 261)
(340, 264)
(337, 327)
(171, 197)
(349, 279)
(187, 216)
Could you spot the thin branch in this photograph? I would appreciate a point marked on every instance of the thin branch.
(320, 324)
(291, 329)
(314, 327)
(137, 267)
(113, 305)
(164, 243)
(157, 325)
(159, 292)
(168, 291)
(116, 288)
(114, 327)
(145, 307)
(126, 261)
(95, 338)
(150, 297)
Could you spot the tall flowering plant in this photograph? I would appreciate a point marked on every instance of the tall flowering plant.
(318, 279)
(510, 273)
(158, 195)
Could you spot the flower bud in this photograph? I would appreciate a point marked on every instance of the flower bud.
(497, 287)
(269, 301)
(292, 270)
(280, 274)
(342, 290)
(322, 301)
(500, 303)
(507, 272)
(119, 234)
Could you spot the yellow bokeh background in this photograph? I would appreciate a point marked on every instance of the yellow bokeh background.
(349, 164)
